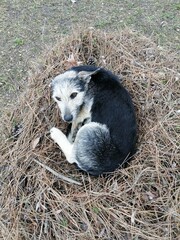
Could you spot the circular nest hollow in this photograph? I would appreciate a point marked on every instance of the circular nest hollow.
(137, 202)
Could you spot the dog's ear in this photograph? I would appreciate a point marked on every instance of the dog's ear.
(86, 75)
(54, 81)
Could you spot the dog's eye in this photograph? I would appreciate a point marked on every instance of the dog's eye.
(58, 98)
(73, 95)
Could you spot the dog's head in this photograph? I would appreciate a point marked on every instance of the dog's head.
(68, 91)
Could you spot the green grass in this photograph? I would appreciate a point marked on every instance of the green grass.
(96, 210)
(64, 223)
(18, 42)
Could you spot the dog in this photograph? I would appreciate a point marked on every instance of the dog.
(102, 130)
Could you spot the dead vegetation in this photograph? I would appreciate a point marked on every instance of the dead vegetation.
(139, 202)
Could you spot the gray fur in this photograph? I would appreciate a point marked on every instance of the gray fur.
(92, 140)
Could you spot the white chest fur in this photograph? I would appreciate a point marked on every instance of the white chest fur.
(83, 117)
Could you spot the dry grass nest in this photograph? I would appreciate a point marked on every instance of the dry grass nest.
(137, 202)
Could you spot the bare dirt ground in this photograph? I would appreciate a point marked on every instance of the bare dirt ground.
(28, 27)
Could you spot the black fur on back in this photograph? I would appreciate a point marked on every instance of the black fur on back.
(113, 107)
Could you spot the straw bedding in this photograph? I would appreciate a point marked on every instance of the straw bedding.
(138, 202)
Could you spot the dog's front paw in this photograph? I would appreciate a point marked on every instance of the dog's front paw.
(55, 134)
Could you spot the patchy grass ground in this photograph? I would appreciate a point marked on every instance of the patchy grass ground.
(27, 27)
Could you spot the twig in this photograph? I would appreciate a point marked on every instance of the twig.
(57, 174)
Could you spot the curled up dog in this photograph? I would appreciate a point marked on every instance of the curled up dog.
(102, 126)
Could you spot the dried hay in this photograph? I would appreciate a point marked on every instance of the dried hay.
(139, 202)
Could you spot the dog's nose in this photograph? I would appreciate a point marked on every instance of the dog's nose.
(68, 118)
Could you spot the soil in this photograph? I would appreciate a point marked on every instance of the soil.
(28, 27)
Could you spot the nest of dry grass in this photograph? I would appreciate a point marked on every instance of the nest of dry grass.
(138, 202)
